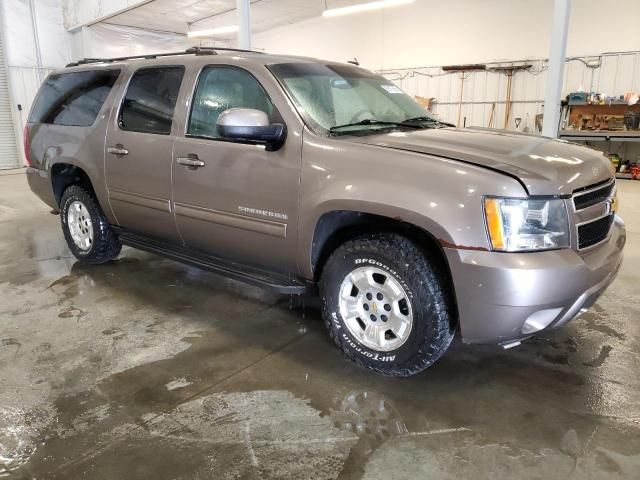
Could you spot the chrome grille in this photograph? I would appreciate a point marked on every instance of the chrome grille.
(594, 216)
(592, 233)
(593, 195)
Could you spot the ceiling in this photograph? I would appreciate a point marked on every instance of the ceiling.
(180, 16)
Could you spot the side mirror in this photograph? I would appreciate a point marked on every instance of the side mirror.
(252, 126)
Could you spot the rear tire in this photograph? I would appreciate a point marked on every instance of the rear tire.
(397, 300)
(86, 229)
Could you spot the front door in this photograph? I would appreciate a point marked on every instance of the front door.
(138, 153)
(242, 202)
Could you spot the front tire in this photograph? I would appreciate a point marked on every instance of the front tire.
(387, 305)
(86, 229)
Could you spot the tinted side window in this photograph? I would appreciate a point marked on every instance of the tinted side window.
(73, 99)
(151, 100)
(221, 88)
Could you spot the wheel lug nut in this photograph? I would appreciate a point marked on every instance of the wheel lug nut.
(366, 307)
(373, 318)
(384, 318)
(387, 307)
(369, 296)
(379, 296)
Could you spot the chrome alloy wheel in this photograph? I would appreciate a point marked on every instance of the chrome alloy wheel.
(376, 309)
(80, 227)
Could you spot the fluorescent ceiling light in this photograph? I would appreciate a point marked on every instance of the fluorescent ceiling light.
(364, 7)
(210, 32)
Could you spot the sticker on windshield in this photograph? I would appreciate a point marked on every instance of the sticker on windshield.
(391, 89)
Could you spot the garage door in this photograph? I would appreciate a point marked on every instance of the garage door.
(8, 151)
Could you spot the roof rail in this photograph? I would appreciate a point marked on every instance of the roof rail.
(204, 50)
(188, 51)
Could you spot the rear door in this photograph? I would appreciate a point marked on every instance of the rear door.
(242, 203)
(138, 152)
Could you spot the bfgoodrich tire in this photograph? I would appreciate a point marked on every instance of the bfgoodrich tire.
(86, 229)
(387, 304)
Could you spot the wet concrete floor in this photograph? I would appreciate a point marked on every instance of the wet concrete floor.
(145, 368)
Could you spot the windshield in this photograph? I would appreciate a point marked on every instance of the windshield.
(341, 99)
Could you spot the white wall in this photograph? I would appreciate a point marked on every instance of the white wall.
(78, 13)
(27, 65)
(429, 32)
(433, 32)
(409, 43)
(616, 75)
(106, 41)
(34, 49)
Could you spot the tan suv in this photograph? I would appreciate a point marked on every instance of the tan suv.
(292, 173)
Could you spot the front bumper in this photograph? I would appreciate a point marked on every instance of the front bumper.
(504, 297)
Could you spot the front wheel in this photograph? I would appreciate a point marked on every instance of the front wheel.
(86, 229)
(387, 305)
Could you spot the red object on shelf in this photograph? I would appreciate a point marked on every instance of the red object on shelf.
(635, 173)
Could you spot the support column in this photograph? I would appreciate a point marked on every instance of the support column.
(244, 22)
(36, 41)
(555, 73)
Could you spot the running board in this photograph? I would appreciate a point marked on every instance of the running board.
(279, 283)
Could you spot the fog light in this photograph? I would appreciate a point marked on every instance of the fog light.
(539, 320)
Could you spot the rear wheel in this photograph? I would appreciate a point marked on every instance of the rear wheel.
(86, 229)
(387, 305)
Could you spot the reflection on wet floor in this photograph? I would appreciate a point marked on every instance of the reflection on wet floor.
(144, 368)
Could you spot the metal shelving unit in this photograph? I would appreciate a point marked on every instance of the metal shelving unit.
(599, 136)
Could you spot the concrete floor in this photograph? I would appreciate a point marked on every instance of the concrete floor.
(145, 368)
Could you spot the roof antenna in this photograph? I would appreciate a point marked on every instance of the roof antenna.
(354, 61)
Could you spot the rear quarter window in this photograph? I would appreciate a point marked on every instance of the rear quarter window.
(73, 99)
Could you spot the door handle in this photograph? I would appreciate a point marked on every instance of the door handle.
(118, 150)
(191, 161)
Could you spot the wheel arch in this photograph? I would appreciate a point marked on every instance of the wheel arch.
(335, 227)
(64, 174)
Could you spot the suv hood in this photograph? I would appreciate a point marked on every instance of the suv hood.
(544, 166)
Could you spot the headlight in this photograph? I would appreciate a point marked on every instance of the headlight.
(518, 225)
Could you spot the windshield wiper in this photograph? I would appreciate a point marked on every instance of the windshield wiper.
(373, 122)
(410, 121)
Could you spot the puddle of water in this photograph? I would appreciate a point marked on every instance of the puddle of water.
(18, 438)
(178, 383)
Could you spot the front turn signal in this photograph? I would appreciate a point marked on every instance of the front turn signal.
(494, 222)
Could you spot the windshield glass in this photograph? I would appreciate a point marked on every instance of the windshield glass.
(331, 98)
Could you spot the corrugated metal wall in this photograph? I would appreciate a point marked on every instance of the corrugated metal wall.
(616, 74)
(25, 82)
(8, 151)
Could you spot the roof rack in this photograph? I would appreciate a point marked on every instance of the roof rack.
(188, 51)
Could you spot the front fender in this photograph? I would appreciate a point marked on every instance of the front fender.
(440, 196)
